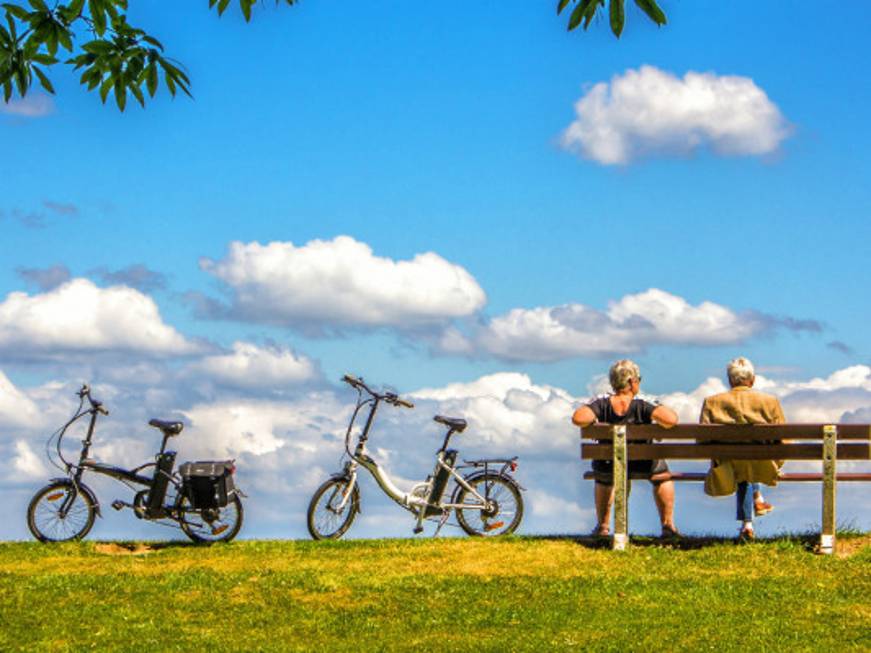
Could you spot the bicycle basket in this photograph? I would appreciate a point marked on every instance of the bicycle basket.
(208, 483)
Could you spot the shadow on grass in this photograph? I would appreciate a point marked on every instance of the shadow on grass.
(808, 540)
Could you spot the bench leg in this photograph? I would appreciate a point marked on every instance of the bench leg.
(621, 482)
(830, 459)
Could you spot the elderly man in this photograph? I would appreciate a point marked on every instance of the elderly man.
(624, 407)
(743, 405)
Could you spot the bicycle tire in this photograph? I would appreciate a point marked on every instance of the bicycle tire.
(325, 523)
(219, 524)
(44, 520)
(507, 503)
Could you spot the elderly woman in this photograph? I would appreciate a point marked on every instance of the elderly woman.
(624, 407)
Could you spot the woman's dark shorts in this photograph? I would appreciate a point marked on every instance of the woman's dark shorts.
(604, 469)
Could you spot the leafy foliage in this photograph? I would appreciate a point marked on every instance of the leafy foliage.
(118, 58)
(585, 10)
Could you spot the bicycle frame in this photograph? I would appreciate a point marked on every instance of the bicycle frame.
(417, 499)
(75, 471)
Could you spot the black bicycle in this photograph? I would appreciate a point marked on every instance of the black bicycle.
(203, 499)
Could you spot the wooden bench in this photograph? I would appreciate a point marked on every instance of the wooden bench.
(826, 443)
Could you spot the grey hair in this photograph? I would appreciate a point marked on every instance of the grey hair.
(740, 371)
(621, 373)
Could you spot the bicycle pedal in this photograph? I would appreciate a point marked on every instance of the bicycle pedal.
(494, 525)
(418, 530)
(117, 504)
(217, 530)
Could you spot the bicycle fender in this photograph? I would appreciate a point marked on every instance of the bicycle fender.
(471, 477)
(82, 488)
(342, 476)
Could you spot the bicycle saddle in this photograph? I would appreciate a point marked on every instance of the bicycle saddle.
(455, 423)
(170, 428)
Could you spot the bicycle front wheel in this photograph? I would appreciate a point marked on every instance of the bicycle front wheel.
(60, 512)
(500, 512)
(210, 524)
(332, 510)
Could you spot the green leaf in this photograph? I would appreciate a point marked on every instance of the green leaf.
(222, 6)
(39, 5)
(170, 83)
(44, 59)
(562, 5)
(592, 8)
(65, 38)
(137, 93)
(95, 8)
(74, 9)
(577, 15)
(120, 94)
(652, 10)
(19, 12)
(246, 8)
(46, 84)
(151, 79)
(618, 17)
(7, 91)
(152, 41)
(104, 88)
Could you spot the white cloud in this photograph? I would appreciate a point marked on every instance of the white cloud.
(78, 316)
(327, 284)
(250, 366)
(649, 112)
(628, 325)
(238, 426)
(35, 105)
(16, 408)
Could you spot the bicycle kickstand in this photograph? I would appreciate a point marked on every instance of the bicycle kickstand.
(442, 521)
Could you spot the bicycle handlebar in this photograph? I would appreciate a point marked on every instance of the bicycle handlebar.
(84, 392)
(389, 397)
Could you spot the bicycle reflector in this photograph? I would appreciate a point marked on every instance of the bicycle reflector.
(513, 465)
(55, 496)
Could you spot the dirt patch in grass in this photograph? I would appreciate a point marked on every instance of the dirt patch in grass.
(123, 548)
(845, 547)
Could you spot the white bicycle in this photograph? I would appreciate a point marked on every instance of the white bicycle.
(486, 501)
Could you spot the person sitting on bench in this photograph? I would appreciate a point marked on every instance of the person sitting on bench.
(623, 407)
(743, 405)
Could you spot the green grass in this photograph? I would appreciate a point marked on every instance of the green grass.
(516, 594)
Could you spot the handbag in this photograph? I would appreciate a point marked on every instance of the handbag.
(720, 481)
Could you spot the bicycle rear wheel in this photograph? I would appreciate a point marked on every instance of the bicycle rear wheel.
(60, 512)
(328, 518)
(505, 506)
(210, 524)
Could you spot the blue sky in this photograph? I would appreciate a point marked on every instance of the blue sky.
(400, 132)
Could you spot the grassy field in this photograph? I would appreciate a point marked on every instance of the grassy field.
(517, 594)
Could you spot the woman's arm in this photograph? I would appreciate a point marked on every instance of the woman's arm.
(664, 416)
(583, 416)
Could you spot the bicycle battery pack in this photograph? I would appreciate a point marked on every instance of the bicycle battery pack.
(208, 483)
(442, 476)
(159, 483)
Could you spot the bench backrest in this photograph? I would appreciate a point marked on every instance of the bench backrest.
(724, 442)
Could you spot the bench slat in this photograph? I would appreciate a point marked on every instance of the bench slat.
(851, 451)
(729, 432)
(789, 477)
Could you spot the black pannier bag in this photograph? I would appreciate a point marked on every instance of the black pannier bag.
(208, 483)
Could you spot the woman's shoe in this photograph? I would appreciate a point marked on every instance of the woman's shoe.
(746, 534)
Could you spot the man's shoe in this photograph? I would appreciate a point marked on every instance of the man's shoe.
(746, 535)
(600, 532)
(761, 507)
